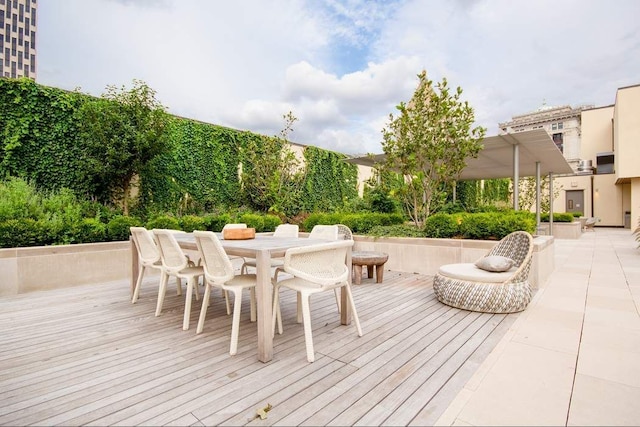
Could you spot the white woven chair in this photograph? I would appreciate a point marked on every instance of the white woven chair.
(175, 263)
(467, 287)
(148, 257)
(282, 230)
(315, 268)
(219, 273)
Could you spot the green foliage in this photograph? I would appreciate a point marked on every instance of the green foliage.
(18, 199)
(90, 230)
(253, 221)
(358, 223)
(24, 232)
(121, 132)
(216, 222)
(163, 221)
(483, 226)
(399, 230)
(271, 222)
(557, 217)
(527, 193)
(189, 223)
(576, 214)
(380, 201)
(441, 225)
(329, 181)
(428, 144)
(118, 227)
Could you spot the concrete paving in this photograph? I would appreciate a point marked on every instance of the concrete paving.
(573, 356)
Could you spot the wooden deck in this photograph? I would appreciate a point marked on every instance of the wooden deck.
(87, 356)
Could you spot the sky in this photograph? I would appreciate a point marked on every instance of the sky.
(341, 66)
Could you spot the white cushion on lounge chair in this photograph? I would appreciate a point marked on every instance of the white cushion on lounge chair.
(469, 272)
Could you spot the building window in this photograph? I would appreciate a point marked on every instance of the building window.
(20, 36)
(14, 22)
(33, 16)
(26, 50)
(13, 70)
(7, 33)
(32, 63)
(14, 46)
(557, 138)
(7, 55)
(20, 61)
(33, 39)
(557, 126)
(1, 20)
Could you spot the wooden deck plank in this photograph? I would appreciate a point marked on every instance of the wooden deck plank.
(87, 356)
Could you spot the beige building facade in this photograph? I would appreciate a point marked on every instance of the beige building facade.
(602, 144)
(18, 38)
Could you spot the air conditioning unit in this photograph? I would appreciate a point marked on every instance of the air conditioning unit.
(604, 162)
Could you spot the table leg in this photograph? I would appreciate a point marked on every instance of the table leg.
(263, 301)
(134, 264)
(379, 273)
(357, 269)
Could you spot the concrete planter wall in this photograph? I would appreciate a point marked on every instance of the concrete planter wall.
(562, 230)
(48, 267)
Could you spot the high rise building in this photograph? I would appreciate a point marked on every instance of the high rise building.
(18, 38)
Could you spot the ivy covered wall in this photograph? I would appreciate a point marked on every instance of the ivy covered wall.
(39, 141)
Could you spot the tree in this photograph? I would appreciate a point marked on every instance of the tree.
(427, 143)
(270, 171)
(123, 130)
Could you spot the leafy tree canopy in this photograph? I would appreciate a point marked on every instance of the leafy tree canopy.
(428, 143)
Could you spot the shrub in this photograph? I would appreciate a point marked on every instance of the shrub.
(189, 223)
(216, 222)
(164, 221)
(557, 217)
(25, 232)
(399, 230)
(358, 222)
(271, 222)
(118, 227)
(441, 225)
(252, 221)
(90, 230)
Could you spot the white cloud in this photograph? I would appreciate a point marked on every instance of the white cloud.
(341, 66)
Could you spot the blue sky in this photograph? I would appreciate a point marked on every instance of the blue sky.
(342, 66)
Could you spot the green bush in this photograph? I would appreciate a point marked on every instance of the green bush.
(577, 214)
(90, 230)
(189, 223)
(253, 221)
(216, 222)
(358, 222)
(271, 222)
(118, 227)
(441, 225)
(24, 232)
(557, 217)
(399, 230)
(164, 221)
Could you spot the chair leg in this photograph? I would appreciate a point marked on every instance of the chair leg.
(235, 325)
(276, 315)
(252, 295)
(187, 304)
(226, 298)
(335, 291)
(299, 307)
(178, 286)
(203, 310)
(195, 288)
(161, 291)
(136, 291)
(353, 309)
(308, 338)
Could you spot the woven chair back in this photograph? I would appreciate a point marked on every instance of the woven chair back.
(173, 258)
(322, 264)
(218, 268)
(324, 232)
(147, 248)
(286, 230)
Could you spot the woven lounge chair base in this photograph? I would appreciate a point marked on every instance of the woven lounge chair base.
(508, 297)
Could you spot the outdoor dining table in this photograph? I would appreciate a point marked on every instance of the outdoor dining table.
(263, 247)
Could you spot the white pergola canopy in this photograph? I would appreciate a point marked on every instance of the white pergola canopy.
(529, 153)
(498, 160)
